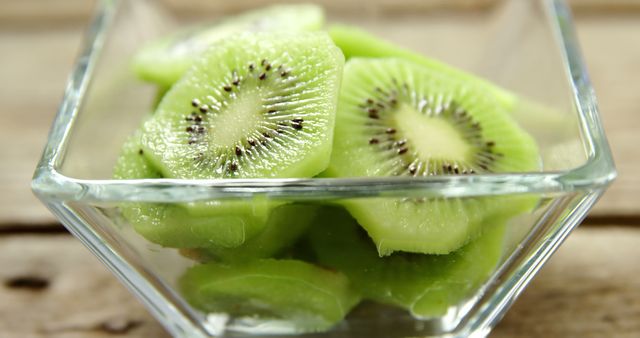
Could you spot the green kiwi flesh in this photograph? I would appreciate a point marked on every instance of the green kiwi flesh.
(398, 118)
(426, 285)
(259, 105)
(309, 297)
(222, 224)
(160, 92)
(166, 59)
(285, 225)
(355, 42)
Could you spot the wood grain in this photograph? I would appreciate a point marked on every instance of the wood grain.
(30, 13)
(52, 287)
(589, 289)
(34, 67)
(65, 12)
(611, 46)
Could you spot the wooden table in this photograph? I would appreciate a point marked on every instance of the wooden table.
(49, 282)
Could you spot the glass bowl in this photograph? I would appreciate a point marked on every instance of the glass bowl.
(527, 47)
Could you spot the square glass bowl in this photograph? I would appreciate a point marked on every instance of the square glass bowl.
(527, 47)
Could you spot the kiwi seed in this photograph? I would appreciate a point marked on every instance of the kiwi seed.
(296, 125)
(196, 128)
(244, 113)
(380, 106)
(233, 166)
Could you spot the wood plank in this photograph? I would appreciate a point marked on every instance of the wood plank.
(601, 6)
(63, 12)
(34, 72)
(611, 46)
(44, 12)
(589, 289)
(52, 287)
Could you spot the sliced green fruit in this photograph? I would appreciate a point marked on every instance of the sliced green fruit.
(356, 42)
(223, 224)
(398, 118)
(173, 226)
(165, 60)
(258, 106)
(426, 285)
(160, 92)
(285, 225)
(309, 297)
(132, 164)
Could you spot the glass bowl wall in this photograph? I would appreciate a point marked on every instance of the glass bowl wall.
(528, 47)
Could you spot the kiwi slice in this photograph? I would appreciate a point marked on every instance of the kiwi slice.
(398, 118)
(165, 60)
(160, 92)
(228, 224)
(426, 285)
(285, 225)
(259, 105)
(355, 42)
(308, 297)
(132, 164)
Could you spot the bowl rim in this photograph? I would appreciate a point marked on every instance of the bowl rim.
(596, 173)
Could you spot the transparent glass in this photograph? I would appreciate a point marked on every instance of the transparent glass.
(527, 47)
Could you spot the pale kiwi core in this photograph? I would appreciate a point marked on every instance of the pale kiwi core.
(433, 137)
(238, 119)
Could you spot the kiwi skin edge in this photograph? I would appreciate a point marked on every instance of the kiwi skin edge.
(310, 297)
(426, 285)
(356, 42)
(176, 226)
(285, 225)
(165, 59)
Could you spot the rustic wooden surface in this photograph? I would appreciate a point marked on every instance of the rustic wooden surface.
(37, 12)
(611, 47)
(34, 68)
(590, 288)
